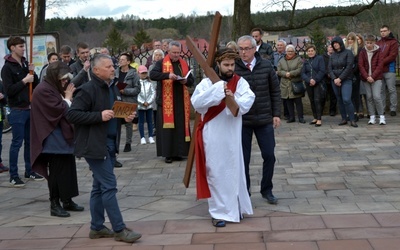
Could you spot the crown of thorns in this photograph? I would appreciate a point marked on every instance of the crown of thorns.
(226, 54)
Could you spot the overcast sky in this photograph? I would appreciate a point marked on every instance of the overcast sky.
(152, 9)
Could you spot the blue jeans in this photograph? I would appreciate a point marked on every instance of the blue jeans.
(20, 121)
(148, 115)
(343, 95)
(104, 190)
(266, 141)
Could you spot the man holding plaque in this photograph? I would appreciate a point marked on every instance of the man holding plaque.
(173, 104)
(218, 142)
(96, 137)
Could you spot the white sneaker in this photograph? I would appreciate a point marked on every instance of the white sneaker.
(382, 120)
(143, 141)
(371, 120)
(151, 140)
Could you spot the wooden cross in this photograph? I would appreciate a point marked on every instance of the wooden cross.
(212, 75)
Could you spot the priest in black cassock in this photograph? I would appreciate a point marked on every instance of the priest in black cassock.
(173, 104)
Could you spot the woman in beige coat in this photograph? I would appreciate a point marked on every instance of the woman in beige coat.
(289, 70)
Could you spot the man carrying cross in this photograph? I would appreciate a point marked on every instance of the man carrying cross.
(219, 158)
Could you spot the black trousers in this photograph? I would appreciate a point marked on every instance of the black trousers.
(62, 181)
(299, 107)
(315, 94)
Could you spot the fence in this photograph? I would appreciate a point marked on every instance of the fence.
(140, 56)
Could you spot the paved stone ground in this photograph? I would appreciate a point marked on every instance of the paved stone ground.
(338, 188)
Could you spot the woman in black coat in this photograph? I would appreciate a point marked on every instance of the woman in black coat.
(313, 73)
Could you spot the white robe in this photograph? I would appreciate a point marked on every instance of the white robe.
(222, 137)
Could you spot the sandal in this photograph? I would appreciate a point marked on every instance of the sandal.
(218, 222)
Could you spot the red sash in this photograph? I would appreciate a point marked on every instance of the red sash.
(168, 96)
(203, 190)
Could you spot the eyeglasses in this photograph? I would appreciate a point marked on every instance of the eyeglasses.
(292, 51)
(246, 49)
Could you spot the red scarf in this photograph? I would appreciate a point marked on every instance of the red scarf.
(168, 96)
(203, 190)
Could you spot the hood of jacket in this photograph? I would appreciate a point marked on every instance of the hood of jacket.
(375, 48)
(11, 59)
(338, 39)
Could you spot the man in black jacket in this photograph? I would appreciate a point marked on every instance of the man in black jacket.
(264, 115)
(81, 68)
(16, 78)
(96, 136)
(264, 49)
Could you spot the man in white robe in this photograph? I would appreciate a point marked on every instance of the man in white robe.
(222, 143)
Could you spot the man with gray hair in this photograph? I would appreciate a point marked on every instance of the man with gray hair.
(264, 115)
(96, 134)
(165, 45)
(173, 104)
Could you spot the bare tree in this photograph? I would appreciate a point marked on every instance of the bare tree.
(243, 24)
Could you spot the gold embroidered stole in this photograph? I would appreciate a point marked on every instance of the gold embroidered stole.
(168, 96)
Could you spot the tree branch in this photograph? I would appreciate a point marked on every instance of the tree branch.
(296, 23)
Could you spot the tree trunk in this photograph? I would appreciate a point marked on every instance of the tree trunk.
(12, 17)
(242, 23)
(41, 15)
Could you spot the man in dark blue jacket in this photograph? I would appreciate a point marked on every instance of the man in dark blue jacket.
(96, 136)
(264, 115)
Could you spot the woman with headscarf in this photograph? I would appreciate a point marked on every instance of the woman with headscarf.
(52, 138)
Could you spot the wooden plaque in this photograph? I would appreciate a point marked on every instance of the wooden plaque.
(123, 109)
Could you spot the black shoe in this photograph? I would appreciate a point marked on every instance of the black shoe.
(57, 210)
(301, 120)
(69, 205)
(392, 113)
(177, 158)
(354, 124)
(332, 113)
(127, 148)
(290, 121)
(218, 223)
(313, 122)
(168, 159)
(344, 122)
(16, 182)
(355, 117)
(34, 176)
(117, 164)
(271, 199)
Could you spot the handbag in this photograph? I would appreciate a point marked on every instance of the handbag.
(298, 88)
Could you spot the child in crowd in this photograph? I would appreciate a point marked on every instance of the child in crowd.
(145, 99)
(370, 64)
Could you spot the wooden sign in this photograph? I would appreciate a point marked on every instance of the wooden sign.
(123, 109)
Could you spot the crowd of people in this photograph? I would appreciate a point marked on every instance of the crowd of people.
(70, 114)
